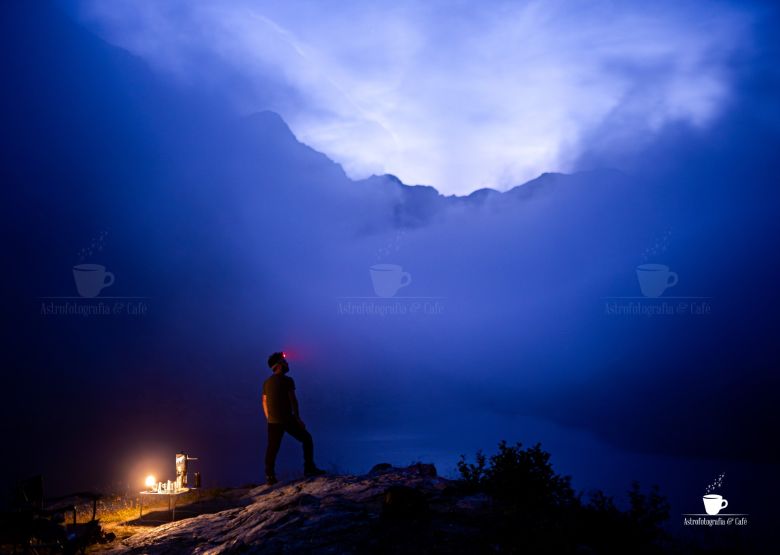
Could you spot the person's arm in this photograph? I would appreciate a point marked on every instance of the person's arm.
(294, 406)
(265, 406)
(294, 403)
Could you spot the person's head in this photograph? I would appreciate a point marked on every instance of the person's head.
(277, 362)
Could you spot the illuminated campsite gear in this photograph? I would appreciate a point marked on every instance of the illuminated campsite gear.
(180, 484)
(171, 493)
(181, 469)
(170, 489)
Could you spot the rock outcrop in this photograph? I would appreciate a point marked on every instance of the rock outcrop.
(388, 510)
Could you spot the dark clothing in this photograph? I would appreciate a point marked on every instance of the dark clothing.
(275, 433)
(277, 390)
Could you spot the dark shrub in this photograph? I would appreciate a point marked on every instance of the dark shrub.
(537, 511)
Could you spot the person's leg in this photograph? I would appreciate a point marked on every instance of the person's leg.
(300, 433)
(275, 433)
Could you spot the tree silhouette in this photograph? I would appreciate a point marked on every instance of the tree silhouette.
(536, 510)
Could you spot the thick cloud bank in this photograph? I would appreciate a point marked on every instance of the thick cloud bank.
(455, 95)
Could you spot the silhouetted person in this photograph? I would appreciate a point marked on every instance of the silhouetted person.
(281, 410)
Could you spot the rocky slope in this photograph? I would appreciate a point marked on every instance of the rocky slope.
(388, 510)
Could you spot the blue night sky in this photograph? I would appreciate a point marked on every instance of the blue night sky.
(227, 162)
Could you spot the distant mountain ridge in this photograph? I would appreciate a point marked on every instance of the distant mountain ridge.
(411, 205)
(282, 131)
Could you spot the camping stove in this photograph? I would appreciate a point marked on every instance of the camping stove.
(181, 470)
